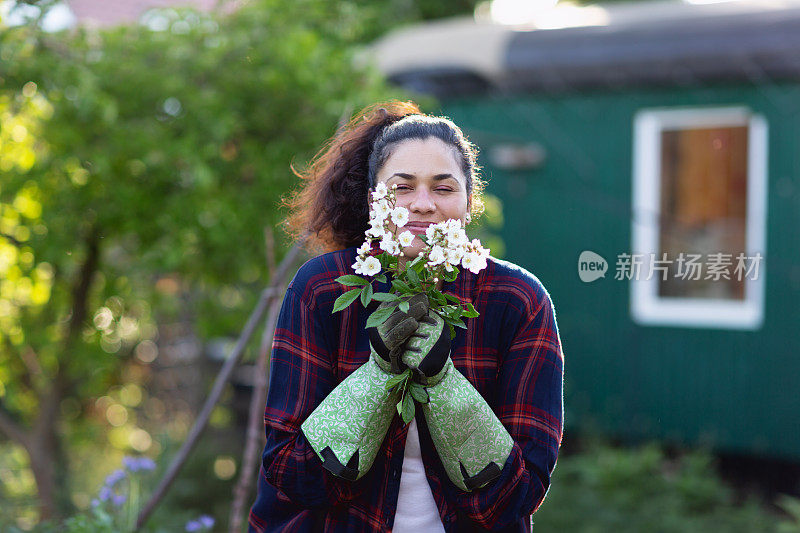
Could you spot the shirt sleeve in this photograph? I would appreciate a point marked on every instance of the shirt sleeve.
(301, 376)
(529, 403)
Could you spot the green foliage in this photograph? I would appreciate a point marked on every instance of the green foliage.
(171, 149)
(140, 168)
(791, 506)
(641, 489)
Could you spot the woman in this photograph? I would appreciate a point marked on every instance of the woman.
(509, 360)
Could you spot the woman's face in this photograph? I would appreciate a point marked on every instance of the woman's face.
(430, 184)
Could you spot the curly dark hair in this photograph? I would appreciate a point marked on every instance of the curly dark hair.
(330, 208)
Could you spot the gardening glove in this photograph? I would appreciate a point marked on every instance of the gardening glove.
(428, 349)
(387, 340)
(347, 429)
(472, 443)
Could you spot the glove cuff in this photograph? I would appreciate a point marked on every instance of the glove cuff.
(426, 381)
(347, 429)
(472, 443)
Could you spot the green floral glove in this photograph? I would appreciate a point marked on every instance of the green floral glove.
(347, 429)
(472, 443)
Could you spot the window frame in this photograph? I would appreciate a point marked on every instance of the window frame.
(646, 306)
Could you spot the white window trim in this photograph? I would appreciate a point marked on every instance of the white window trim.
(647, 308)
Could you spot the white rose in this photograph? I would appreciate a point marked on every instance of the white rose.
(358, 266)
(453, 255)
(375, 231)
(469, 259)
(406, 238)
(389, 245)
(380, 191)
(371, 266)
(457, 237)
(473, 262)
(381, 209)
(437, 256)
(376, 218)
(481, 264)
(430, 231)
(400, 216)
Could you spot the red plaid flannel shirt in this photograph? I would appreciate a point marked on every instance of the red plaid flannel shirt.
(511, 353)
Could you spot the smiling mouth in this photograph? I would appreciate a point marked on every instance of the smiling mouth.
(417, 227)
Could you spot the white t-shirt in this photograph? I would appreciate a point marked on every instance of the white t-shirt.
(416, 508)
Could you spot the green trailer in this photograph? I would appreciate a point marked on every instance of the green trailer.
(647, 158)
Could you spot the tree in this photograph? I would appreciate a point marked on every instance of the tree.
(134, 156)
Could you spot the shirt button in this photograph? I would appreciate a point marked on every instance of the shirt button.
(395, 474)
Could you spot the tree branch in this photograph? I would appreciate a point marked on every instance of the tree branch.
(255, 423)
(13, 240)
(267, 295)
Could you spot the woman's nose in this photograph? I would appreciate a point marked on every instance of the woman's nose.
(422, 202)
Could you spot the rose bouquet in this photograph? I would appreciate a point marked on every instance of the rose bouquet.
(446, 249)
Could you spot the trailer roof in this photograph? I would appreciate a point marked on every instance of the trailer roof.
(664, 43)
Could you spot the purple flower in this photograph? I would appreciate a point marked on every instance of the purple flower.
(203, 523)
(95, 502)
(118, 499)
(105, 494)
(115, 477)
(134, 464)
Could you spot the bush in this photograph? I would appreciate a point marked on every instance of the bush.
(604, 488)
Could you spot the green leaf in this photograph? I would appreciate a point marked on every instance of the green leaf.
(381, 278)
(452, 331)
(457, 322)
(401, 286)
(470, 312)
(419, 393)
(452, 298)
(416, 261)
(413, 277)
(451, 276)
(345, 299)
(437, 297)
(408, 408)
(351, 280)
(397, 378)
(379, 316)
(403, 306)
(366, 295)
(385, 297)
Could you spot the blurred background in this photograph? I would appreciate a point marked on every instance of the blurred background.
(642, 160)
